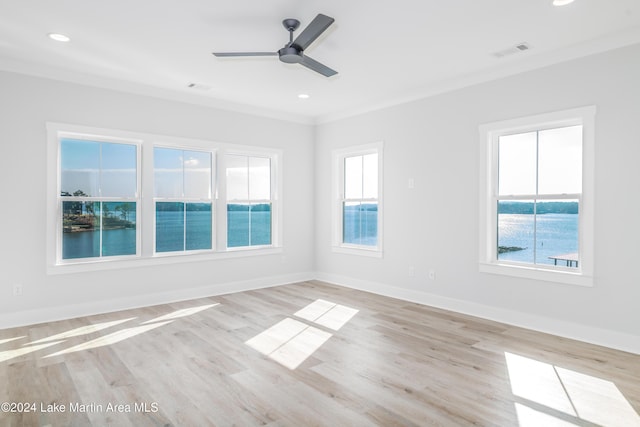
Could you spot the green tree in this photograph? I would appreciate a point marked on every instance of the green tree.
(125, 209)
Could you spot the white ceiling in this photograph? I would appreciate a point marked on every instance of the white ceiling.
(385, 51)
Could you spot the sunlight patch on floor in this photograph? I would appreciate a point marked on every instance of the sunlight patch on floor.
(327, 314)
(111, 338)
(83, 330)
(181, 313)
(529, 417)
(6, 340)
(598, 400)
(314, 310)
(546, 391)
(11, 354)
(290, 342)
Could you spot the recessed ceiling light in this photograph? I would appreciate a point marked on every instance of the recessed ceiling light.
(303, 96)
(59, 37)
(561, 2)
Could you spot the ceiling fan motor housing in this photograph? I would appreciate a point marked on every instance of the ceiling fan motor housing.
(290, 54)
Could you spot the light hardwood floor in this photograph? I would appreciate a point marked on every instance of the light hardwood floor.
(303, 355)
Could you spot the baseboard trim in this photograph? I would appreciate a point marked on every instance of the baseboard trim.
(607, 338)
(52, 314)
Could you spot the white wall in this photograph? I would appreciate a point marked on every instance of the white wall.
(434, 226)
(27, 103)
(435, 141)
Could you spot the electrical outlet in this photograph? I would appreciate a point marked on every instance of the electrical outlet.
(17, 290)
(432, 275)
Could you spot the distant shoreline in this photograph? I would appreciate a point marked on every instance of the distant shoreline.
(505, 249)
(541, 208)
(78, 229)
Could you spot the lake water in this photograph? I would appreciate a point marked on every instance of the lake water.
(86, 244)
(555, 234)
(360, 226)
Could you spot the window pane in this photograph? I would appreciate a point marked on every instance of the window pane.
(516, 231)
(169, 226)
(557, 233)
(261, 224)
(79, 165)
(118, 228)
(198, 228)
(168, 173)
(353, 177)
(237, 225)
(259, 178)
(360, 223)
(370, 176)
(560, 161)
(118, 170)
(351, 230)
(80, 230)
(237, 177)
(517, 164)
(197, 174)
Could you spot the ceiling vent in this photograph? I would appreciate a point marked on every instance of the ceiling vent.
(520, 47)
(199, 86)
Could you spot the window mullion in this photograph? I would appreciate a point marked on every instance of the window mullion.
(100, 225)
(535, 201)
(362, 177)
(101, 209)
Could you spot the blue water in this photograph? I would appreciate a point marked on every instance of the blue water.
(555, 234)
(248, 228)
(180, 229)
(360, 226)
(245, 228)
(86, 244)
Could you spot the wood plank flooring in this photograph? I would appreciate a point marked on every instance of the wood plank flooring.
(307, 354)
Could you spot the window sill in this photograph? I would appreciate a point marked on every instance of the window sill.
(538, 273)
(357, 250)
(158, 259)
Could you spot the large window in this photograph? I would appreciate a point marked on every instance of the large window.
(98, 199)
(249, 200)
(183, 202)
(537, 203)
(117, 199)
(357, 224)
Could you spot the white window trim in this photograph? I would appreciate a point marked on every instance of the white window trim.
(183, 145)
(145, 225)
(489, 133)
(276, 199)
(338, 157)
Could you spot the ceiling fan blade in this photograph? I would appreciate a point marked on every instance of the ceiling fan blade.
(319, 24)
(314, 65)
(237, 54)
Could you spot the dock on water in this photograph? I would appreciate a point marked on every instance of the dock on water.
(570, 259)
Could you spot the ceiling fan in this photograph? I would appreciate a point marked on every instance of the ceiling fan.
(293, 52)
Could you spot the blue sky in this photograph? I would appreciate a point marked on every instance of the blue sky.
(89, 166)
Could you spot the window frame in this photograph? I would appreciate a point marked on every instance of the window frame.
(59, 216)
(338, 174)
(145, 221)
(275, 188)
(488, 189)
(184, 199)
